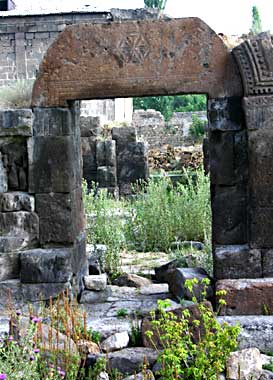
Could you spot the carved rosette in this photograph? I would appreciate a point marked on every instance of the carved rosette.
(255, 59)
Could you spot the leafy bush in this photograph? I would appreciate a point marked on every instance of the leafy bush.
(164, 213)
(184, 357)
(197, 128)
(17, 94)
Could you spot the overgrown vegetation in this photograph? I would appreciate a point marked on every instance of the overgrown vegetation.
(256, 26)
(17, 94)
(197, 128)
(160, 214)
(185, 355)
(159, 4)
(167, 105)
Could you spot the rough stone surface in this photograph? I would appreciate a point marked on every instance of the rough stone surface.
(225, 114)
(107, 176)
(131, 280)
(245, 364)
(115, 342)
(130, 360)
(177, 70)
(55, 122)
(229, 259)
(90, 126)
(229, 215)
(95, 282)
(15, 161)
(16, 122)
(3, 176)
(267, 263)
(54, 164)
(95, 255)
(61, 216)
(43, 292)
(176, 279)
(255, 331)
(16, 201)
(18, 229)
(106, 153)
(9, 265)
(46, 265)
(247, 296)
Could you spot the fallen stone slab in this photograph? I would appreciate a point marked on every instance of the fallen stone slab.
(256, 331)
(108, 326)
(247, 296)
(115, 342)
(132, 280)
(96, 282)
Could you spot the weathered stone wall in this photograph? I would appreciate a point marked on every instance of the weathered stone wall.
(114, 161)
(151, 127)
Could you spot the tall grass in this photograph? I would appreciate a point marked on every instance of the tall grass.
(17, 94)
(160, 214)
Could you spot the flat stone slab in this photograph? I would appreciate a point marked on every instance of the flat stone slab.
(256, 331)
(247, 296)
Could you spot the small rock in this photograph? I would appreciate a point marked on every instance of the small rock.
(131, 280)
(87, 347)
(116, 342)
(179, 276)
(96, 282)
(129, 360)
(244, 365)
(147, 375)
(103, 376)
(154, 289)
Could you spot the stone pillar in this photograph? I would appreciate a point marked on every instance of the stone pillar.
(55, 172)
(228, 171)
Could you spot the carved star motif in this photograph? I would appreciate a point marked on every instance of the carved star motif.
(133, 48)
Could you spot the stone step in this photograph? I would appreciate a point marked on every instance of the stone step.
(256, 331)
(247, 296)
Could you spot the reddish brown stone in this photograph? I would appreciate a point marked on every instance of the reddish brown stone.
(136, 58)
(247, 296)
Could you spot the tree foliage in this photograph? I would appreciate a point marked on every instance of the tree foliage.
(256, 27)
(160, 4)
(167, 105)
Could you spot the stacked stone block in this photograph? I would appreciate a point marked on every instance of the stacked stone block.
(42, 240)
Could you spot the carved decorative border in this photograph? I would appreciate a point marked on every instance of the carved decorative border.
(255, 59)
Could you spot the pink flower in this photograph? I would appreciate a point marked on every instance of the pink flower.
(3, 376)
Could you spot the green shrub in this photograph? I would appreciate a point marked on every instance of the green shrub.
(184, 357)
(17, 94)
(197, 128)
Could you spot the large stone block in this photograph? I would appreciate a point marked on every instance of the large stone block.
(16, 122)
(9, 265)
(132, 163)
(61, 216)
(247, 296)
(90, 126)
(15, 162)
(43, 292)
(106, 153)
(228, 262)
(46, 265)
(16, 201)
(229, 219)
(89, 160)
(107, 176)
(123, 136)
(261, 227)
(228, 157)
(226, 114)
(260, 167)
(258, 111)
(55, 122)
(54, 164)
(20, 224)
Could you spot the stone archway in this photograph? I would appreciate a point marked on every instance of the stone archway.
(91, 61)
(132, 59)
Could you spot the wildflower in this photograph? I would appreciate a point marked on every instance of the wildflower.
(3, 376)
(62, 373)
(36, 350)
(10, 338)
(35, 319)
(31, 358)
(18, 312)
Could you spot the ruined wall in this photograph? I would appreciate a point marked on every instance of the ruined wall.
(152, 127)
